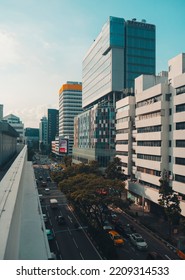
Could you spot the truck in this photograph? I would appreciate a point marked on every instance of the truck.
(53, 203)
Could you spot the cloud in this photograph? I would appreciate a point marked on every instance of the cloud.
(31, 116)
(9, 48)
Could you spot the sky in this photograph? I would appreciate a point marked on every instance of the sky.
(43, 42)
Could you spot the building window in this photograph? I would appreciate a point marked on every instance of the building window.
(149, 129)
(180, 108)
(122, 153)
(180, 178)
(180, 90)
(180, 143)
(180, 125)
(149, 157)
(149, 171)
(149, 143)
(123, 142)
(180, 161)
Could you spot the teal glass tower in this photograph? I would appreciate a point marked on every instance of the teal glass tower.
(122, 51)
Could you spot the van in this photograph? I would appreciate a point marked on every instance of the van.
(53, 203)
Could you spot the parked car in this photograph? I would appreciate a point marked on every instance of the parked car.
(41, 197)
(138, 241)
(53, 256)
(49, 234)
(116, 238)
(45, 218)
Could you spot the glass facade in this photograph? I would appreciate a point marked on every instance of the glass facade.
(140, 51)
(94, 130)
(123, 51)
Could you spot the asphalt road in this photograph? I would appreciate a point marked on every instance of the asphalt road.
(69, 243)
(130, 252)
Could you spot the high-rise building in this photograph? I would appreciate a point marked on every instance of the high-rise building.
(31, 137)
(122, 51)
(94, 135)
(53, 125)
(43, 134)
(17, 124)
(70, 105)
(1, 112)
(150, 134)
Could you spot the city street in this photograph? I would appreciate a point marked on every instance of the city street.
(70, 243)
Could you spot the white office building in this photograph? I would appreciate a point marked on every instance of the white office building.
(70, 105)
(17, 124)
(155, 131)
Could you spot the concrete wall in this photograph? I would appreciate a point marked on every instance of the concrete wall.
(22, 230)
(8, 147)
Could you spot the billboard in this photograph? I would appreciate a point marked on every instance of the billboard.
(63, 145)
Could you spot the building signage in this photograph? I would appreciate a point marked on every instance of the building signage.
(63, 145)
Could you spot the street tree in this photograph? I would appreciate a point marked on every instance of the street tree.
(169, 200)
(114, 170)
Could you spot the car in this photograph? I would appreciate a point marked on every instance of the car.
(45, 218)
(61, 220)
(53, 256)
(138, 241)
(114, 218)
(49, 234)
(40, 178)
(41, 197)
(107, 227)
(116, 238)
(43, 183)
(47, 191)
(125, 229)
(48, 179)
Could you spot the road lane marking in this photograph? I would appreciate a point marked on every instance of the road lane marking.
(69, 231)
(71, 220)
(75, 243)
(57, 246)
(167, 257)
(81, 256)
(71, 209)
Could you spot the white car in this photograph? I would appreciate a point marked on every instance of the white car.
(45, 218)
(137, 240)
